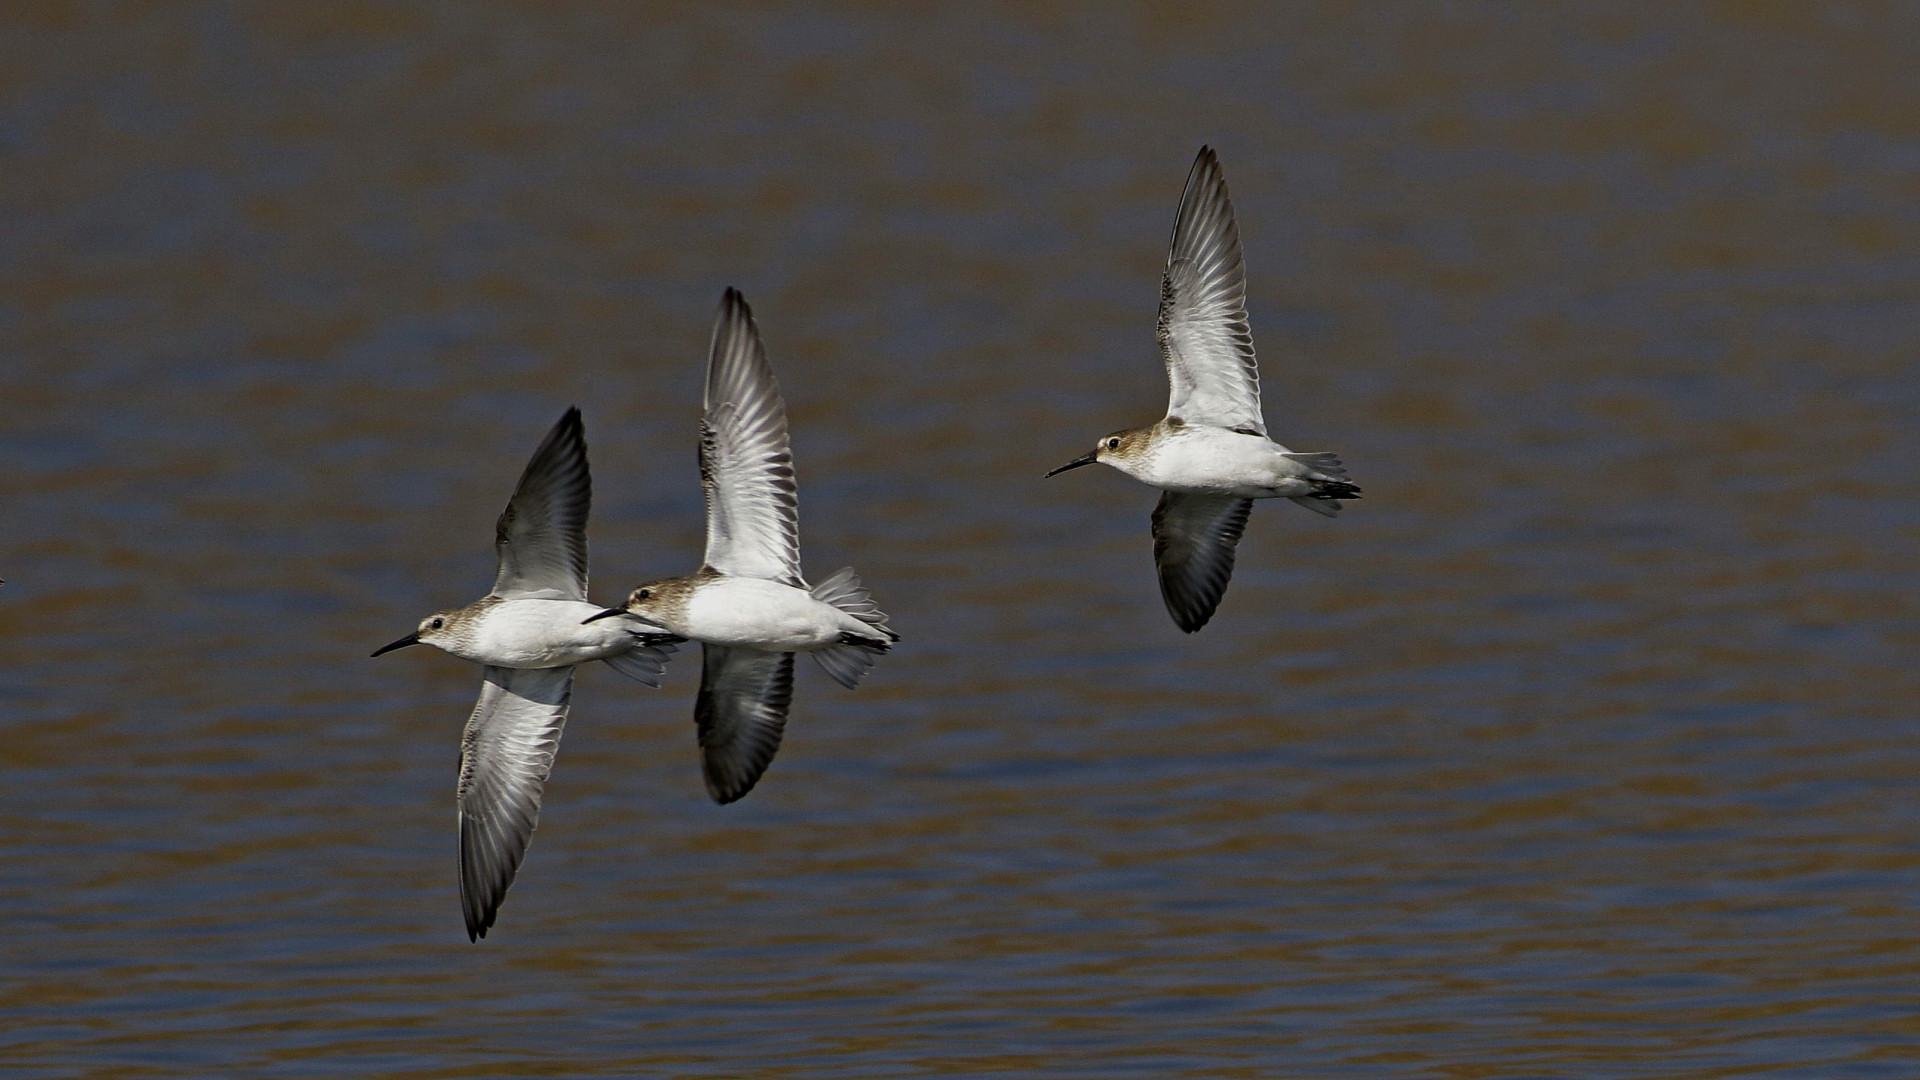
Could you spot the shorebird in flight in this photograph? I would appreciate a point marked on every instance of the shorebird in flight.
(1210, 455)
(528, 633)
(748, 605)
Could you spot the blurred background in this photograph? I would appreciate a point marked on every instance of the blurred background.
(1583, 746)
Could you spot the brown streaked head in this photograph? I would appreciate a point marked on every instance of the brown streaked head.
(1120, 444)
(653, 602)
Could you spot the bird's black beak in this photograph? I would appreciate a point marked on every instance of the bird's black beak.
(410, 639)
(607, 614)
(1087, 458)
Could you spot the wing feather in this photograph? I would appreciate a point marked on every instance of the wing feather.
(753, 510)
(741, 713)
(1194, 537)
(1204, 338)
(505, 757)
(541, 536)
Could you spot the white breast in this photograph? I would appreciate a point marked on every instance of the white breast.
(1214, 461)
(546, 633)
(761, 614)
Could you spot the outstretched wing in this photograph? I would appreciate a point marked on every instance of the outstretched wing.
(504, 760)
(741, 713)
(1193, 541)
(541, 537)
(753, 511)
(1211, 372)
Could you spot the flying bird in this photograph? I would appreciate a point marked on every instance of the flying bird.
(748, 605)
(528, 634)
(1210, 455)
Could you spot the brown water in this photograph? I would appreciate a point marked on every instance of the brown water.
(1583, 747)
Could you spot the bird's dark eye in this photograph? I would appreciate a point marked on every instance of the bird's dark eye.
(1113, 444)
(644, 593)
(436, 624)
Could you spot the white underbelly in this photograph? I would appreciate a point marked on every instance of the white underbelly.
(760, 614)
(547, 633)
(1226, 463)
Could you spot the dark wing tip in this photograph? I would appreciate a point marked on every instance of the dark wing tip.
(734, 327)
(479, 918)
(739, 733)
(1205, 194)
(573, 429)
(483, 880)
(731, 774)
(570, 428)
(722, 793)
(1206, 168)
(739, 374)
(732, 771)
(565, 442)
(1190, 609)
(1190, 622)
(555, 492)
(1194, 571)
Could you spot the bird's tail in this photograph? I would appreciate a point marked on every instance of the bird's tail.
(844, 591)
(854, 656)
(1330, 484)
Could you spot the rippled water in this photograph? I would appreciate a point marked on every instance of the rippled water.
(1582, 747)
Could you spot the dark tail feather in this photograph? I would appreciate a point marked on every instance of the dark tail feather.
(1335, 489)
(1327, 496)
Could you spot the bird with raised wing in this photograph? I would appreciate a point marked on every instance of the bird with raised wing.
(528, 633)
(748, 604)
(1210, 455)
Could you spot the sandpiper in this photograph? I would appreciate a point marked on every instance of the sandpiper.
(528, 633)
(747, 605)
(1210, 456)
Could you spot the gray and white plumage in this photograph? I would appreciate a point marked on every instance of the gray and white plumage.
(1212, 375)
(1210, 455)
(541, 537)
(753, 530)
(749, 605)
(529, 634)
(506, 755)
(746, 466)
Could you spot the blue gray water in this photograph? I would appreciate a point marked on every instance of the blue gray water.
(1582, 747)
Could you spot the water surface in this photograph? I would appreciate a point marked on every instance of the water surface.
(1581, 747)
